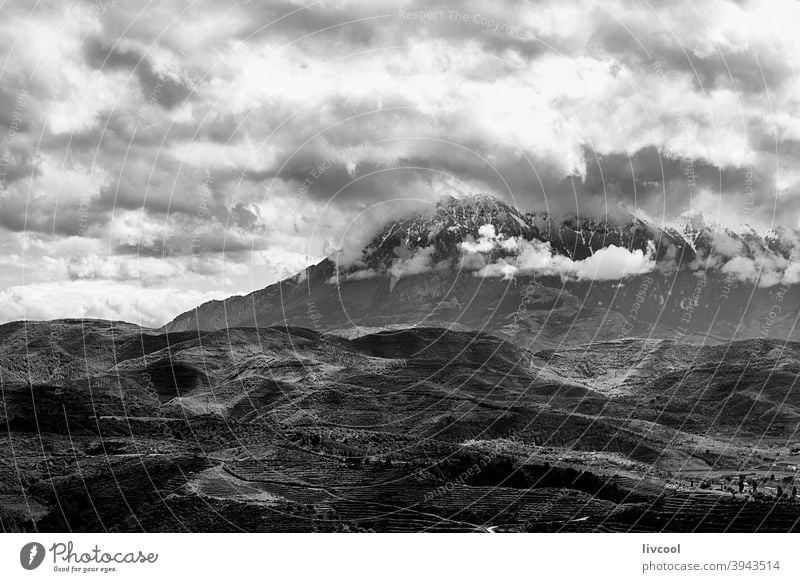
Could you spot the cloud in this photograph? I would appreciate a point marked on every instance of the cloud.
(579, 108)
(419, 262)
(358, 275)
(524, 257)
(150, 307)
(767, 269)
(487, 241)
(613, 262)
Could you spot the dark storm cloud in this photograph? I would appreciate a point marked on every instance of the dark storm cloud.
(142, 182)
(13, 103)
(143, 250)
(324, 21)
(657, 183)
(330, 180)
(574, 108)
(242, 217)
(160, 89)
(184, 240)
(746, 71)
(99, 56)
(493, 27)
(59, 217)
(17, 163)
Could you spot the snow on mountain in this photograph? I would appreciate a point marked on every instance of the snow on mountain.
(478, 263)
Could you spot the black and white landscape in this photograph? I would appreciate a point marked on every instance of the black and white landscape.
(399, 267)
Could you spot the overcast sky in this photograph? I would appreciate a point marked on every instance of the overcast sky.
(155, 156)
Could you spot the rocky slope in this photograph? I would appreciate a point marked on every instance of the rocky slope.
(703, 284)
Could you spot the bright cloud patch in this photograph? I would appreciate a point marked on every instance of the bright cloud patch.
(275, 130)
(147, 306)
(766, 269)
(528, 257)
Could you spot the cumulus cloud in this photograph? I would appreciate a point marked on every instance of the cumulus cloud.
(150, 307)
(416, 262)
(613, 262)
(524, 257)
(308, 116)
(748, 256)
(767, 269)
(419, 262)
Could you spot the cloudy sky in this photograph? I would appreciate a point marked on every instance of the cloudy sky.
(153, 156)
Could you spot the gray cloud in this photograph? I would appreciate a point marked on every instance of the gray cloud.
(157, 89)
(581, 108)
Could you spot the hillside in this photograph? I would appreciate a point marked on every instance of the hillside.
(113, 427)
(443, 269)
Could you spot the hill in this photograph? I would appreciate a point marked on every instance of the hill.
(114, 427)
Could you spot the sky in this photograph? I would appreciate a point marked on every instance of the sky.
(157, 155)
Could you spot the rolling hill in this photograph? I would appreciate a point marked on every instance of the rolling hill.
(114, 427)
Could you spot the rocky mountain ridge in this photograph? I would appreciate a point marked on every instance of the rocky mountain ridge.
(700, 285)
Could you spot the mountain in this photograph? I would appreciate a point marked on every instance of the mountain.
(458, 266)
(114, 427)
(477, 369)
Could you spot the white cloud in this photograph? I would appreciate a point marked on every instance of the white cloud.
(767, 269)
(613, 262)
(419, 262)
(358, 275)
(458, 103)
(82, 96)
(146, 306)
(244, 155)
(487, 241)
(524, 257)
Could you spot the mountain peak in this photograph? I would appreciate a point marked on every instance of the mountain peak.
(472, 201)
(594, 278)
(443, 227)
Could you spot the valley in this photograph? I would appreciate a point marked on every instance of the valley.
(425, 429)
